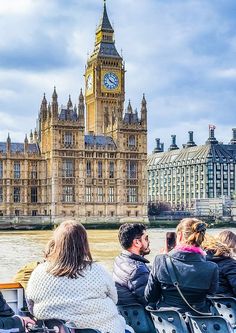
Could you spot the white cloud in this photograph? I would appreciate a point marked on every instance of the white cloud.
(229, 73)
(180, 53)
(16, 7)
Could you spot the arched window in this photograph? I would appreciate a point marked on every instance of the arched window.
(131, 141)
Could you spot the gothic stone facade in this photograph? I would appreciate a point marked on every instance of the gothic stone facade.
(67, 168)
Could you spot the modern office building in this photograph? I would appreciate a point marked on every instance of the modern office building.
(87, 160)
(179, 176)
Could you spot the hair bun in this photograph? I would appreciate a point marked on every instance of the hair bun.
(199, 227)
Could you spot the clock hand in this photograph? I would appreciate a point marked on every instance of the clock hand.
(111, 81)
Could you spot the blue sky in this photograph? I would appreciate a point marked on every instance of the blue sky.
(181, 53)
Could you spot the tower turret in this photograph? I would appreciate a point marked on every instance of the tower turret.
(104, 81)
(130, 117)
(81, 108)
(35, 136)
(54, 107)
(43, 108)
(26, 144)
(8, 143)
(129, 108)
(31, 136)
(49, 110)
(69, 104)
(104, 41)
(144, 111)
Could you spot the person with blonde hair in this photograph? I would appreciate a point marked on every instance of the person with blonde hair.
(229, 238)
(70, 286)
(222, 255)
(195, 277)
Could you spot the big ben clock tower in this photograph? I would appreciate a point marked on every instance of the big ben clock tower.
(104, 81)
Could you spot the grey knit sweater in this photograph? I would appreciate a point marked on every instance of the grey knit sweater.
(89, 301)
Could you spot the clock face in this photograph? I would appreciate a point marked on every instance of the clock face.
(89, 82)
(110, 81)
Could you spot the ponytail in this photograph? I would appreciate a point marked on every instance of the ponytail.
(193, 231)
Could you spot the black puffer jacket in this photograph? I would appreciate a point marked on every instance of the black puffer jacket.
(5, 310)
(130, 273)
(196, 278)
(8, 321)
(227, 274)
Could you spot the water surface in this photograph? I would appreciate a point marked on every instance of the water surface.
(20, 247)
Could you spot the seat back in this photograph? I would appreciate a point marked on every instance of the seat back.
(14, 295)
(225, 307)
(168, 321)
(60, 327)
(211, 324)
(137, 317)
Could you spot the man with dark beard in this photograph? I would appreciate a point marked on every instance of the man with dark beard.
(130, 270)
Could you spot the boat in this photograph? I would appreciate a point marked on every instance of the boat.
(143, 321)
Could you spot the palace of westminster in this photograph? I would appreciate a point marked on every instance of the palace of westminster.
(89, 161)
(82, 163)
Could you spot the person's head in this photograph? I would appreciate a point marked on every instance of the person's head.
(133, 237)
(229, 238)
(215, 247)
(68, 252)
(191, 231)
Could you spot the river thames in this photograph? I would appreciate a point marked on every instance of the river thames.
(20, 247)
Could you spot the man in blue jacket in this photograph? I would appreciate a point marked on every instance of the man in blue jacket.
(130, 271)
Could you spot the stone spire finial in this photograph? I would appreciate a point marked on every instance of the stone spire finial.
(35, 135)
(81, 108)
(54, 95)
(144, 102)
(26, 144)
(8, 138)
(81, 96)
(54, 109)
(69, 104)
(144, 111)
(44, 101)
(43, 108)
(105, 24)
(129, 107)
(8, 143)
(31, 136)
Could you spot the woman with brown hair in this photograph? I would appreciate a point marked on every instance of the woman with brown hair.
(222, 255)
(195, 276)
(70, 286)
(229, 238)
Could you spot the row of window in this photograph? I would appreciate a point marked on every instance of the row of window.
(16, 192)
(17, 170)
(68, 169)
(132, 194)
(68, 194)
(131, 169)
(192, 169)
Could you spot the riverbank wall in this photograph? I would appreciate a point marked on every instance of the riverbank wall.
(46, 222)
